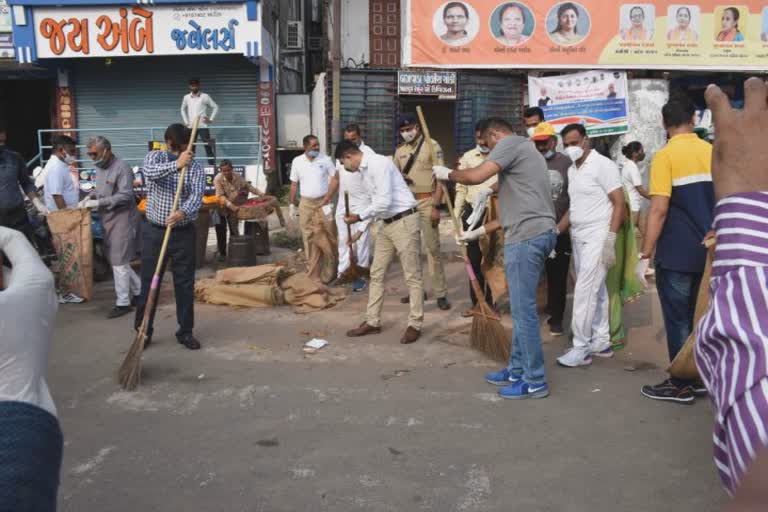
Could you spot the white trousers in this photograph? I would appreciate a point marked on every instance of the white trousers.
(362, 246)
(127, 284)
(590, 324)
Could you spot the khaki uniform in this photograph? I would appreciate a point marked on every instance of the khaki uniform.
(421, 176)
(466, 194)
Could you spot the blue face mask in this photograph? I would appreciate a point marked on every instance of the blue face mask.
(313, 154)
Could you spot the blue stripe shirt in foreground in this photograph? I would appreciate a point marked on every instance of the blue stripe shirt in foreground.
(162, 177)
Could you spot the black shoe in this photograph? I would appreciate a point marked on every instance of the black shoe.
(556, 329)
(407, 299)
(190, 342)
(669, 392)
(118, 311)
(698, 388)
(443, 303)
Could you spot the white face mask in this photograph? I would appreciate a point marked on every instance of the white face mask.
(574, 152)
(409, 135)
(483, 149)
(531, 131)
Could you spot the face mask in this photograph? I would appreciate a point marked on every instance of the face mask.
(483, 149)
(69, 159)
(549, 154)
(531, 131)
(574, 152)
(313, 154)
(409, 136)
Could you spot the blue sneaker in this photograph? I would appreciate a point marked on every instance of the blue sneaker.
(358, 285)
(502, 378)
(521, 390)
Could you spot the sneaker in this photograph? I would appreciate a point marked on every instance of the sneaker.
(556, 329)
(502, 378)
(606, 353)
(699, 389)
(669, 392)
(521, 390)
(575, 357)
(359, 285)
(70, 298)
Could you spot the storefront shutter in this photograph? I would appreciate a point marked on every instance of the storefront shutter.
(114, 98)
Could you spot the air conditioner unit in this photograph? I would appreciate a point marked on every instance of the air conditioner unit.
(295, 36)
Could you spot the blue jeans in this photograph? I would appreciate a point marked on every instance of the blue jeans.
(677, 293)
(524, 263)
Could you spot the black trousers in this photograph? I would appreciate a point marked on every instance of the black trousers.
(230, 220)
(475, 255)
(181, 252)
(16, 218)
(205, 136)
(557, 278)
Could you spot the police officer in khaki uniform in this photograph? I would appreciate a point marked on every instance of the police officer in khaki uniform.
(415, 162)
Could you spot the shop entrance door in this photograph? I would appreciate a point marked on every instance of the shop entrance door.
(439, 115)
(25, 107)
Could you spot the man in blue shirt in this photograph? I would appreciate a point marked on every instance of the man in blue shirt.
(161, 171)
(13, 179)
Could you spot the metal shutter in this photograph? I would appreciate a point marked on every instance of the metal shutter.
(147, 92)
(369, 98)
(483, 95)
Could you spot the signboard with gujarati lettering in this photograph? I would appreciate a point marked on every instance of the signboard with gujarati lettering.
(427, 83)
(113, 31)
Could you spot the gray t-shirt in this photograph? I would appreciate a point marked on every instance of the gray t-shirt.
(525, 196)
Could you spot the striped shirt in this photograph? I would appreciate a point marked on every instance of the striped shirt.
(162, 178)
(732, 344)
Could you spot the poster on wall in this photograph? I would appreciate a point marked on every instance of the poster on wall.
(650, 34)
(595, 99)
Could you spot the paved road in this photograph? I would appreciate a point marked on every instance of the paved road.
(251, 424)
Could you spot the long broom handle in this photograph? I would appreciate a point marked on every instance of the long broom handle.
(352, 255)
(161, 258)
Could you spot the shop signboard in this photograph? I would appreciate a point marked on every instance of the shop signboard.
(588, 34)
(595, 99)
(112, 31)
(267, 125)
(424, 82)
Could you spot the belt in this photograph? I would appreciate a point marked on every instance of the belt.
(423, 195)
(175, 228)
(400, 215)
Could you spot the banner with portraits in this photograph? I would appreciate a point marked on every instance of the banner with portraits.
(595, 99)
(660, 34)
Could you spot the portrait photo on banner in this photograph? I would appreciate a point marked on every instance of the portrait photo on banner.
(456, 23)
(512, 23)
(568, 23)
(683, 22)
(730, 23)
(636, 22)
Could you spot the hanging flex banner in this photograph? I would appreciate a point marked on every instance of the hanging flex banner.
(709, 34)
(595, 99)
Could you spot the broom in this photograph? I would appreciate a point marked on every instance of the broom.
(354, 271)
(130, 371)
(487, 334)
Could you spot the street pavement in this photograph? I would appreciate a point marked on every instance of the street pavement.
(251, 423)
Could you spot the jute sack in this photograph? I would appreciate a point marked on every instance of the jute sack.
(684, 365)
(72, 238)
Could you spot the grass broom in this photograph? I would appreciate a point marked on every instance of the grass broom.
(354, 271)
(487, 334)
(129, 373)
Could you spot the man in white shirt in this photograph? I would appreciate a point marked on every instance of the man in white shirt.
(595, 216)
(313, 171)
(392, 203)
(352, 183)
(195, 104)
(60, 191)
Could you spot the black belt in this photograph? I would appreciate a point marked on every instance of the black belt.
(175, 228)
(400, 215)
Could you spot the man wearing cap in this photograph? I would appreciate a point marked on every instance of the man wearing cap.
(545, 139)
(415, 162)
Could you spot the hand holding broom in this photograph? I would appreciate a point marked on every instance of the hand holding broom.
(130, 371)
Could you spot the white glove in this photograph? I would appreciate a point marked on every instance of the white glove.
(292, 212)
(89, 203)
(328, 210)
(472, 235)
(609, 250)
(641, 268)
(478, 207)
(40, 206)
(27, 317)
(441, 173)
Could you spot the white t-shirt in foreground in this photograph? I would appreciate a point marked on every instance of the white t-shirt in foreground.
(58, 181)
(314, 177)
(588, 188)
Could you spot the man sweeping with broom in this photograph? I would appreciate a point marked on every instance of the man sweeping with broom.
(528, 218)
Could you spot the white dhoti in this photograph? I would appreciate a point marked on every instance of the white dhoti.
(362, 247)
(590, 325)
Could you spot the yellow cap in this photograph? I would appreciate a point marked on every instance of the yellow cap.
(543, 132)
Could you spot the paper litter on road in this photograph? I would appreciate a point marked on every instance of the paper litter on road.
(314, 345)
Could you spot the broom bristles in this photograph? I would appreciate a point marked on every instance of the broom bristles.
(130, 371)
(488, 335)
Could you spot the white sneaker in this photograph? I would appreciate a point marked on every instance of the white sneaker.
(603, 350)
(70, 298)
(575, 357)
